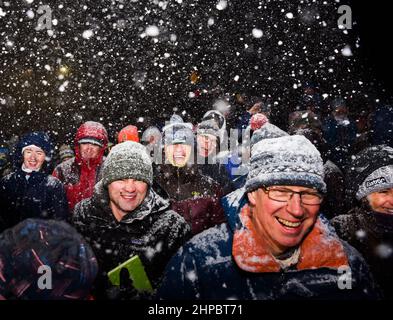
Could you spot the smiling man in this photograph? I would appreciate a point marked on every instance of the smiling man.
(126, 217)
(274, 246)
(80, 173)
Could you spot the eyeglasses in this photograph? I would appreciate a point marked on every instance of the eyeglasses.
(284, 195)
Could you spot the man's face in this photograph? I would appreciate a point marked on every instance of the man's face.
(33, 158)
(282, 225)
(206, 145)
(125, 196)
(89, 151)
(381, 201)
(178, 154)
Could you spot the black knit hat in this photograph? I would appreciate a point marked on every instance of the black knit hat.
(362, 168)
(54, 245)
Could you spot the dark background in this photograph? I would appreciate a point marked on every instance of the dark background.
(374, 28)
(117, 77)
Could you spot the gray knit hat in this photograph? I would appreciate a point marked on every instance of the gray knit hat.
(178, 132)
(208, 127)
(285, 160)
(380, 179)
(267, 131)
(127, 160)
(370, 170)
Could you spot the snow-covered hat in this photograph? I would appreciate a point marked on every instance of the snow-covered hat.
(267, 131)
(38, 139)
(371, 170)
(178, 132)
(285, 160)
(380, 179)
(127, 160)
(220, 120)
(65, 152)
(151, 134)
(257, 121)
(208, 127)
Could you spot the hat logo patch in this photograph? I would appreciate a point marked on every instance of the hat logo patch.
(374, 182)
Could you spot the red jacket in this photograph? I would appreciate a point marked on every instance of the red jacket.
(80, 175)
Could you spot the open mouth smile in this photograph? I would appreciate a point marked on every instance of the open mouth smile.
(288, 224)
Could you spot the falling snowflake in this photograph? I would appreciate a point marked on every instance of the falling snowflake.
(346, 51)
(221, 5)
(87, 34)
(257, 33)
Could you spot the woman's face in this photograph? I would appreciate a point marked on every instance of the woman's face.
(381, 201)
(33, 158)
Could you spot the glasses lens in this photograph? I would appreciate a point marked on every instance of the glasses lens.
(283, 195)
(279, 195)
(311, 198)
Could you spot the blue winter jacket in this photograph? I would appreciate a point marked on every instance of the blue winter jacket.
(204, 268)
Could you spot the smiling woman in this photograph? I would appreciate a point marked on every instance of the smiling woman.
(369, 225)
(33, 158)
(29, 192)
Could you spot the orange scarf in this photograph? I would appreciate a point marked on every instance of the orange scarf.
(319, 249)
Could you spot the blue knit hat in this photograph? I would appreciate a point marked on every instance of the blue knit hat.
(38, 139)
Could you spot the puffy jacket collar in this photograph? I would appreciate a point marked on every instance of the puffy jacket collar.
(321, 248)
(35, 176)
(232, 204)
(378, 223)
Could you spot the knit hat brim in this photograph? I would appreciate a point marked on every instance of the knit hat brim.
(302, 179)
(92, 141)
(121, 169)
(285, 160)
(127, 160)
(380, 179)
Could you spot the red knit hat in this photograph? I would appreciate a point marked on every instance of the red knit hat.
(129, 133)
(257, 121)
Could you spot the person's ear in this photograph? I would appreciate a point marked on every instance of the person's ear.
(252, 197)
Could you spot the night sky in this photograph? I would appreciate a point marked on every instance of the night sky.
(120, 61)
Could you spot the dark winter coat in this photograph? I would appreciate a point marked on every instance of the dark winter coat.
(382, 126)
(372, 234)
(219, 174)
(152, 231)
(340, 138)
(41, 196)
(334, 200)
(193, 195)
(225, 263)
(79, 175)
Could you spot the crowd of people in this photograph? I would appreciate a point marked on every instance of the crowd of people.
(303, 212)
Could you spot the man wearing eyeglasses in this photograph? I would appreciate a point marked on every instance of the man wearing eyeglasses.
(274, 245)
